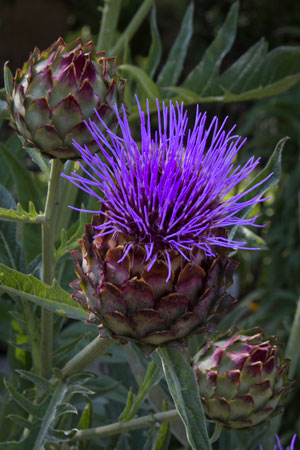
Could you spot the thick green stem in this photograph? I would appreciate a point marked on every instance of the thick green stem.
(132, 27)
(48, 239)
(122, 427)
(109, 20)
(88, 355)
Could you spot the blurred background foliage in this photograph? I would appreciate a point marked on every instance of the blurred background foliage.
(268, 284)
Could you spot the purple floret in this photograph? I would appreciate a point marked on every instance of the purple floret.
(291, 447)
(172, 189)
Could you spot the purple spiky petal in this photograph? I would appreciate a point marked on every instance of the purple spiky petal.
(172, 190)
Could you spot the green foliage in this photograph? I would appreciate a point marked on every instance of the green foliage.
(20, 215)
(30, 288)
(255, 75)
(185, 393)
(40, 412)
(267, 178)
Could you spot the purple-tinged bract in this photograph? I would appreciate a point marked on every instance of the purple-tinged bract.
(171, 190)
(243, 378)
(56, 90)
(153, 266)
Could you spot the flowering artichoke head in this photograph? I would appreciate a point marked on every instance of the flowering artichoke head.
(56, 90)
(149, 304)
(153, 266)
(243, 378)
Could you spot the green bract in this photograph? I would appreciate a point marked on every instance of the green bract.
(243, 378)
(56, 90)
(131, 303)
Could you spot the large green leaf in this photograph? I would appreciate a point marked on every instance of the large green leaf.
(148, 86)
(184, 389)
(172, 69)
(155, 51)
(50, 297)
(273, 167)
(201, 78)
(237, 78)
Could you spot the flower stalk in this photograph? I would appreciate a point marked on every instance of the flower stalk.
(48, 248)
(89, 354)
(123, 427)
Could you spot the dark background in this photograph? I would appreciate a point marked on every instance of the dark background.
(25, 24)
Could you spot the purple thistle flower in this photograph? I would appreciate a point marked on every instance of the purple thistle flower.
(291, 447)
(171, 192)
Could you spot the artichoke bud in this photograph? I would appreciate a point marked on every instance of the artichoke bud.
(133, 300)
(243, 378)
(56, 90)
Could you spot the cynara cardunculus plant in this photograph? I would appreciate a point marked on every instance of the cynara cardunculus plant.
(153, 266)
(56, 90)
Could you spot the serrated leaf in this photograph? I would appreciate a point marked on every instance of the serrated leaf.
(60, 435)
(238, 76)
(155, 51)
(66, 408)
(66, 348)
(20, 420)
(20, 215)
(86, 416)
(49, 416)
(184, 389)
(79, 389)
(52, 297)
(172, 69)
(69, 243)
(203, 75)
(273, 166)
(149, 87)
(81, 378)
(37, 379)
(8, 79)
(36, 411)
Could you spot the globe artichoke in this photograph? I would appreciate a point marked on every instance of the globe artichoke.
(56, 90)
(243, 378)
(153, 270)
(132, 303)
